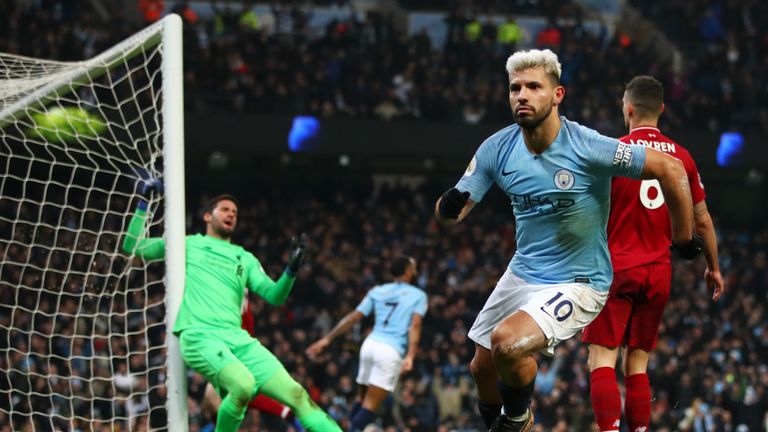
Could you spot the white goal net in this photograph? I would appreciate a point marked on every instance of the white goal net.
(83, 325)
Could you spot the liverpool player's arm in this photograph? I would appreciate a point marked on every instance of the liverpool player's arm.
(274, 292)
(673, 179)
(148, 248)
(706, 229)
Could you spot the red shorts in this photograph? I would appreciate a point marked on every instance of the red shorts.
(634, 309)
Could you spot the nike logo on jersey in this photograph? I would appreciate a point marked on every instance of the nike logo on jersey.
(506, 173)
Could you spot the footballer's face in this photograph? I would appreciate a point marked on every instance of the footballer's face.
(222, 220)
(533, 96)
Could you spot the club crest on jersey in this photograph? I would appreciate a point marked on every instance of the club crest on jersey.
(564, 179)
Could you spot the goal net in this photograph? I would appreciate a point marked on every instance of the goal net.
(83, 342)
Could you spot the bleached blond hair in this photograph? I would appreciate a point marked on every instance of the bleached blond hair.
(546, 59)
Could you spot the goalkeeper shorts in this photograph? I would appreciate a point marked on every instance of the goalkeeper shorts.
(208, 351)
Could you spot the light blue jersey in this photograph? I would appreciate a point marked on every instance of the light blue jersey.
(394, 305)
(560, 199)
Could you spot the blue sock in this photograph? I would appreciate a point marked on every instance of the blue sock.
(362, 419)
(355, 408)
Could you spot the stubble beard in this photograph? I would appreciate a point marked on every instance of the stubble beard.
(532, 122)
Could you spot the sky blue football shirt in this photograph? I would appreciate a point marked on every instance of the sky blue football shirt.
(394, 305)
(560, 199)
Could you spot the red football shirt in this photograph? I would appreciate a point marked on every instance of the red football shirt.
(639, 230)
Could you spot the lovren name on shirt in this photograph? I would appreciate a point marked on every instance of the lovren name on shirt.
(662, 146)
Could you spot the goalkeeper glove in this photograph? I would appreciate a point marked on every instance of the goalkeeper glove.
(452, 202)
(296, 254)
(689, 250)
(146, 187)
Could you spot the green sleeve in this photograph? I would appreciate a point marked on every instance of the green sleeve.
(151, 248)
(260, 283)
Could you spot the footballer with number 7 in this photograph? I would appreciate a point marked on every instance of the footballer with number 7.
(639, 236)
(557, 175)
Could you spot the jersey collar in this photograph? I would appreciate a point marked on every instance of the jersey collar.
(644, 127)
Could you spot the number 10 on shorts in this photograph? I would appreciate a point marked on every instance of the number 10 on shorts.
(558, 309)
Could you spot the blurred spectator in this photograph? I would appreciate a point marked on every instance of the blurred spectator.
(151, 10)
(509, 35)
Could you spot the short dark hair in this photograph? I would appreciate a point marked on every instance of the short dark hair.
(646, 94)
(210, 206)
(399, 265)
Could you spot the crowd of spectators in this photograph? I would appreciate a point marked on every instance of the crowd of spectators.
(727, 59)
(363, 66)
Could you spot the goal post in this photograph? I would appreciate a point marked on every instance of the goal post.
(173, 126)
(85, 329)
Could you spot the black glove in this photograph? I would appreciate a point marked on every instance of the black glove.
(689, 250)
(452, 202)
(296, 254)
(145, 189)
(147, 186)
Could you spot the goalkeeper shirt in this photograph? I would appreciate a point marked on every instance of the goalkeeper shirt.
(217, 275)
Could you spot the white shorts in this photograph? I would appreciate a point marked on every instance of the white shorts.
(380, 365)
(560, 310)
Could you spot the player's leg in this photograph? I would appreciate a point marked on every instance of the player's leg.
(239, 384)
(380, 366)
(211, 400)
(553, 313)
(507, 297)
(374, 397)
(361, 390)
(210, 354)
(268, 405)
(643, 333)
(514, 341)
(484, 373)
(604, 387)
(604, 335)
(637, 406)
(273, 381)
(285, 389)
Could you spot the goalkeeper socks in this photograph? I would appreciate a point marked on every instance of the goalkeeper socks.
(229, 416)
(318, 421)
(363, 418)
(606, 399)
(489, 412)
(285, 389)
(638, 403)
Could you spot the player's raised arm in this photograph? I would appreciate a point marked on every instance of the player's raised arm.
(339, 329)
(150, 248)
(276, 292)
(672, 177)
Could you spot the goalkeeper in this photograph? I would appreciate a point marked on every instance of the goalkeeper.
(208, 323)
